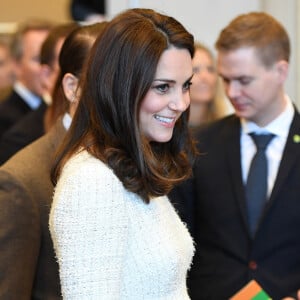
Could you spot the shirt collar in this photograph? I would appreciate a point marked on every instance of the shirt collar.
(279, 126)
(32, 100)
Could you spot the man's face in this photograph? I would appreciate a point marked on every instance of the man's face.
(28, 68)
(255, 91)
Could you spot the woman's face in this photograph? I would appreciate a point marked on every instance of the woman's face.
(168, 96)
(205, 77)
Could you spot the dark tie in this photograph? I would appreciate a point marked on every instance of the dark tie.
(256, 187)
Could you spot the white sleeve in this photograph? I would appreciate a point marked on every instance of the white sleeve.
(88, 224)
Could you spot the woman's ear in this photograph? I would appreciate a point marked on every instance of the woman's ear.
(70, 84)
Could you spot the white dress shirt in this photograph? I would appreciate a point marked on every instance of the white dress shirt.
(32, 100)
(280, 128)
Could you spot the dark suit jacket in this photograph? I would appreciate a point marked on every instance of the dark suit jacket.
(28, 269)
(12, 109)
(226, 257)
(80, 9)
(21, 134)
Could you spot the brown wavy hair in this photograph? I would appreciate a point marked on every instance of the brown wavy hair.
(119, 73)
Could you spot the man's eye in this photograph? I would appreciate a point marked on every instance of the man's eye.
(245, 81)
(225, 80)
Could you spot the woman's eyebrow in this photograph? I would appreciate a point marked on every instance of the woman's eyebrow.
(165, 80)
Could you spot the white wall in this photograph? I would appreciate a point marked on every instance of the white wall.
(205, 19)
(287, 13)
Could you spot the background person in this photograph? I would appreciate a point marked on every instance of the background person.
(31, 126)
(208, 101)
(26, 190)
(27, 89)
(253, 61)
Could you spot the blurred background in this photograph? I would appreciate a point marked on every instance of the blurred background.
(204, 18)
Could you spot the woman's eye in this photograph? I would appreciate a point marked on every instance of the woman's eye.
(187, 85)
(162, 88)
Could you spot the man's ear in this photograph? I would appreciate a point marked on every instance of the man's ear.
(70, 84)
(282, 68)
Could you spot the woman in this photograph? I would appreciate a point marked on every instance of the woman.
(115, 233)
(71, 62)
(208, 101)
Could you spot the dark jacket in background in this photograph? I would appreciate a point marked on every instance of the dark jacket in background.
(226, 257)
(21, 134)
(12, 109)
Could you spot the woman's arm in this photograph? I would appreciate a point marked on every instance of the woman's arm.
(88, 225)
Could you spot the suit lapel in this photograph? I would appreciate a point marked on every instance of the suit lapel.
(290, 155)
(233, 153)
(18, 102)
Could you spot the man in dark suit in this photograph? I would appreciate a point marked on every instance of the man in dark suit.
(31, 126)
(27, 90)
(253, 61)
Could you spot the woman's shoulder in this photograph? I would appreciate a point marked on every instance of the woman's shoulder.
(86, 179)
(82, 163)
(85, 170)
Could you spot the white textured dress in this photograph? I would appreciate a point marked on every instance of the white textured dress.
(110, 244)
